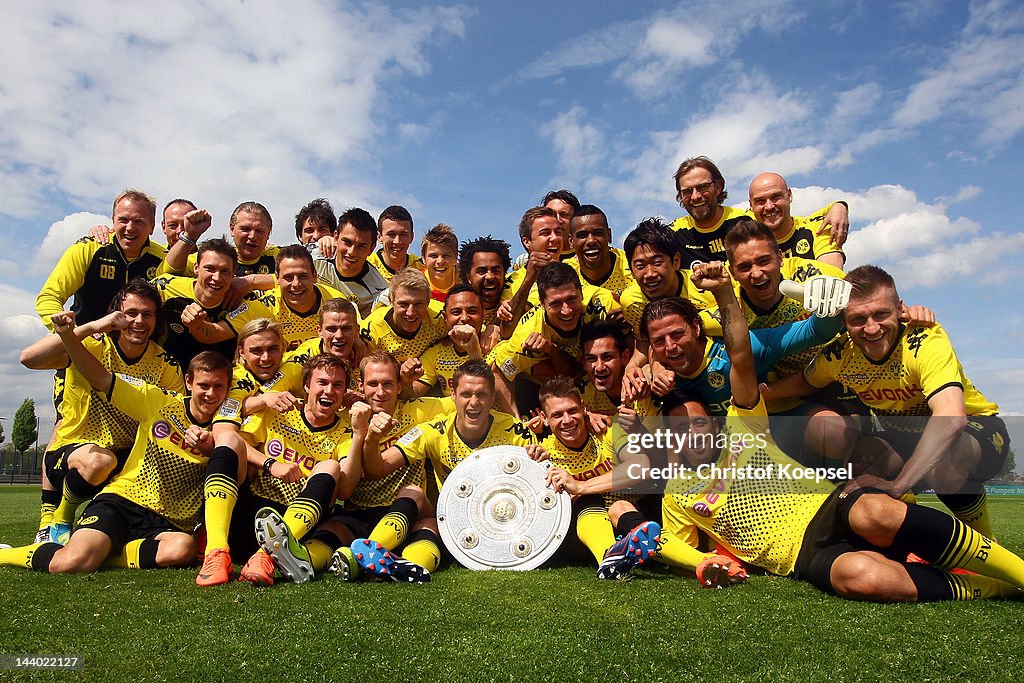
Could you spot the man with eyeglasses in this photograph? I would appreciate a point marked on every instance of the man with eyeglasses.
(700, 189)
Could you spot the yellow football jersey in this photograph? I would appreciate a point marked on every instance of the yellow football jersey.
(440, 362)
(761, 521)
(441, 443)
(378, 331)
(87, 418)
(511, 358)
(617, 279)
(376, 259)
(803, 239)
(288, 437)
(380, 492)
(634, 301)
(596, 457)
(177, 293)
(707, 244)
(162, 474)
(244, 384)
(298, 327)
(897, 388)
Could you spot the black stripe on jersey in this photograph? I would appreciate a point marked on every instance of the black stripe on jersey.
(945, 386)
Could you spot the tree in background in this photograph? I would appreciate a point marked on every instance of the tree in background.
(1007, 473)
(23, 434)
(3, 436)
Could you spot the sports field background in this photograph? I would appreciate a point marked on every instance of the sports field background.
(549, 624)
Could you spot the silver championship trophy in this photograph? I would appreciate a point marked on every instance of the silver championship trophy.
(495, 511)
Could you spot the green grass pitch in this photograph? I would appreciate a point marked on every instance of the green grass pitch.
(555, 624)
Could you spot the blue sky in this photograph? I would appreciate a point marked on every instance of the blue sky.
(911, 111)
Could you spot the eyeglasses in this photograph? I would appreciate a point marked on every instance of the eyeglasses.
(703, 188)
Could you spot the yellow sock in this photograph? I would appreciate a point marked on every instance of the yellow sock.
(594, 529)
(128, 558)
(391, 531)
(18, 557)
(976, 516)
(301, 516)
(976, 586)
(424, 552)
(46, 515)
(220, 492)
(677, 553)
(319, 553)
(972, 551)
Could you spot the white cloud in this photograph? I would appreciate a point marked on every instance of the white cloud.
(61, 234)
(920, 243)
(681, 40)
(855, 104)
(654, 53)
(965, 193)
(20, 327)
(608, 44)
(981, 79)
(219, 105)
(579, 145)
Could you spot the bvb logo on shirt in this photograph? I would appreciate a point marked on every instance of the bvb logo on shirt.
(151, 273)
(803, 247)
(716, 379)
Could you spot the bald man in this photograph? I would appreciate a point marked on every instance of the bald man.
(770, 199)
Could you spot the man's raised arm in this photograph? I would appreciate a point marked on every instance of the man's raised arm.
(90, 367)
(714, 277)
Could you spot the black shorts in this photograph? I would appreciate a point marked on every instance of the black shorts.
(827, 537)
(242, 533)
(988, 430)
(360, 522)
(122, 520)
(55, 462)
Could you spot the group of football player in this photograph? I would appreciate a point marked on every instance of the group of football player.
(301, 406)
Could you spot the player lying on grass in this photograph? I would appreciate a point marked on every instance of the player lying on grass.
(853, 543)
(585, 466)
(143, 518)
(93, 438)
(305, 463)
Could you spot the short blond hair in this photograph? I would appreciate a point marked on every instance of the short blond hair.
(259, 325)
(409, 278)
(138, 196)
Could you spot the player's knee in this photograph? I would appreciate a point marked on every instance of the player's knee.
(877, 517)
(74, 560)
(96, 467)
(415, 493)
(179, 550)
(619, 508)
(858, 577)
(331, 467)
